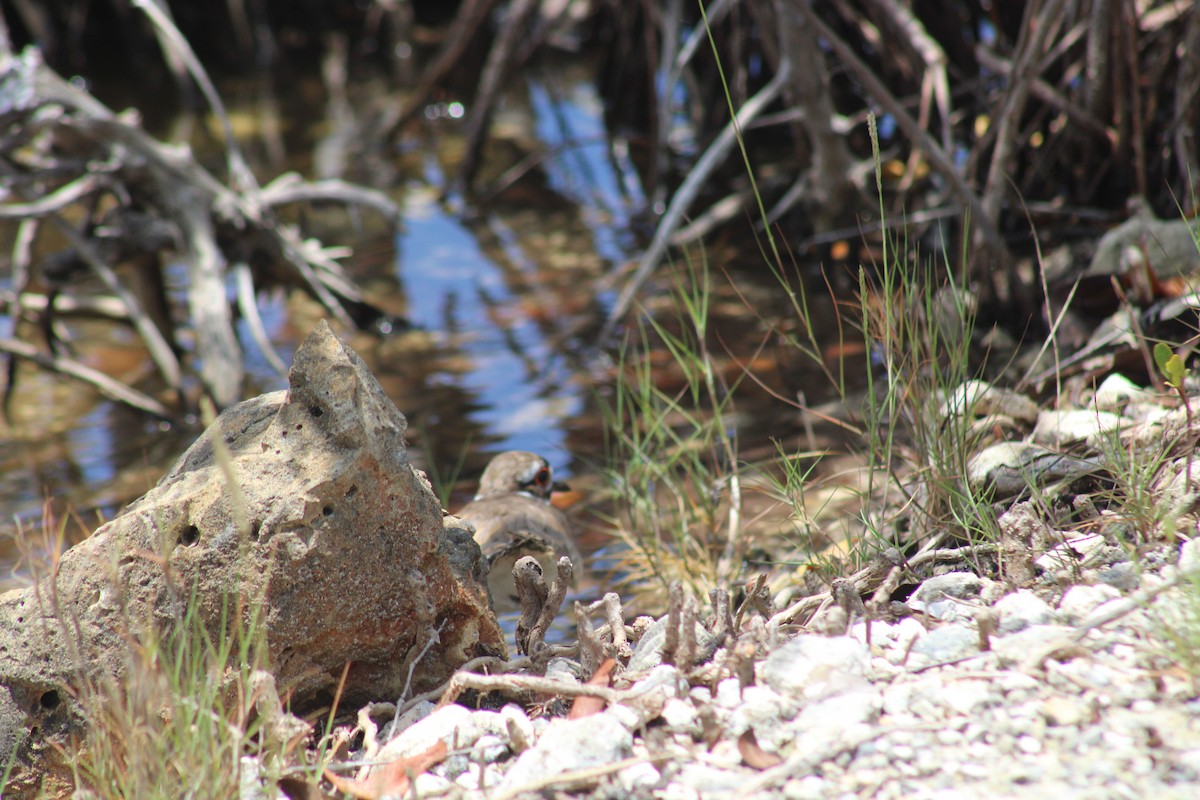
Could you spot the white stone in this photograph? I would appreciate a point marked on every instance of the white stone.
(729, 693)
(451, 724)
(414, 715)
(1029, 745)
(631, 718)
(835, 716)
(1189, 559)
(651, 693)
(709, 781)
(967, 697)
(680, 716)
(813, 667)
(761, 707)
(519, 728)
(810, 787)
(963, 585)
(1079, 601)
(945, 644)
(1072, 554)
(428, 783)
(639, 778)
(1117, 391)
(1021, 609)
(571, 744)
(1057, 428)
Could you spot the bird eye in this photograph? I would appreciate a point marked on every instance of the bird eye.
(543, 477)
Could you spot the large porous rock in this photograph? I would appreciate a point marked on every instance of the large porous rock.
(302, 504)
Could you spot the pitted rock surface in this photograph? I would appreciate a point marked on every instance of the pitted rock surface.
(308, 504)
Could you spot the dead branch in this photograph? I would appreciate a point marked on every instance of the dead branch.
(112, 389)
(539, 605)
(142, 173)
(687, 192)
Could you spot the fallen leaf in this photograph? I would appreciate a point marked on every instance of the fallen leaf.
(753, 755)
(391, 778)
(585, 706)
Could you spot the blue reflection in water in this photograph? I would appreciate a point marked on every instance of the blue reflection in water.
(520, 381)
(446, 275)
(603, 183)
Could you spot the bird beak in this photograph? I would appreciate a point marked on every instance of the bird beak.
(563, 496)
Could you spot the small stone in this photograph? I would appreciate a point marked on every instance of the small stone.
(639, 779)
(1125, 576)
(1064, 711)
(834, 716)
(1028, 744)
(761, 709)
(729, 693)
(1080, 601)
(648, 651)
(963, 585)
(1189, 558)
(519, 728)
(711, 781)
(967, 697)
(813, 667)
(1034, 641)
(945, 644)
(1072, 554)
(979, 399)
(1117, 391)
(941, 596)
(654, 690)
(1009, 468)
(452, 724)
(429, 784)
(680, 716)
(810, 787)
(1058, 428)
(568, 745)
(1021, 609)
(563, 669)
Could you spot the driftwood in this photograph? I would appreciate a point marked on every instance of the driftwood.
(117, 195)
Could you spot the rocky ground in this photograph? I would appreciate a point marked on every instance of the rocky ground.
(982, 692)
(1061, 657)
(1062, 661)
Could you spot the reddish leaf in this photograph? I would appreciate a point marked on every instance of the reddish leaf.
(753, 755)
(390, 778)
(585, 706)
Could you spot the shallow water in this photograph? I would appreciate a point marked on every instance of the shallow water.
(504, 300)
(496, 299)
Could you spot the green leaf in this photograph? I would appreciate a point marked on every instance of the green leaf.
(1162, 354)
(1170, 365)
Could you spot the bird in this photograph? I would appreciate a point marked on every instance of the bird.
(513, 517)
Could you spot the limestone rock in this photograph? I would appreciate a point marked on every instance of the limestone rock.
(330, 527)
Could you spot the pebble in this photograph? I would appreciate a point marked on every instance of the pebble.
(963, 585)
(812, 667)
(967, 697)
(943, 645)
(1021, 609)
(681, 716)
(920, 713)
(1125, 576)
(1063, 711)
(1058, 428)
(568, 745)
(1080, 601)
(1189, 558)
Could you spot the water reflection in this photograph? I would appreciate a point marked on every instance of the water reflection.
(501, 300)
